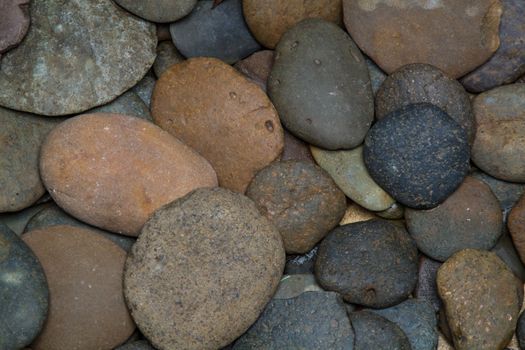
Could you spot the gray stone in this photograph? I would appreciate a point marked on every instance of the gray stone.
(507, 252)
(301, 264)
(159, 10)
(292, 286)
(144, 88)
(377, 76)
(375, 332)
(167, 55)
(136, 345)
(129, 103)
(18, 220)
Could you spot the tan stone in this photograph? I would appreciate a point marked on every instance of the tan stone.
(356, 213)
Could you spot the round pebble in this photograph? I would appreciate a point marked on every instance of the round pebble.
(301, 200)
(158, 10)
(418, 154)
(112, 171)
(84, 273)
(167, 56)
(201, 92)
(371, 263)
(14, 23)
(320, 86)
(375, 332)
(202, 270)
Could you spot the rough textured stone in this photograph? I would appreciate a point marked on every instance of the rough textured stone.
(312, 320)
(218, 32)
(112, 171)
(506, 251)
(21, 136)
(144, 88)
(129, 103)
(77, 55)
(426, 288)
(136, 345)
(210, 262)
(295, 149)
(270, 19)
(499, 146)
(454, 35)
(469, 218)
(159, 10)
(257, 67)
(320, 86)
(508, 63)
(516, 225)
(300, 199)
(371, 263)
(84, 275)
(377, 76)
(417, 83)
(201, 92)
(301, 264)
(418, 154)
(375, 332)
(348, 170)
(481, 299)
(14, 23)
(23, 287)
(167, 55)
(356, 213)
(292, 286)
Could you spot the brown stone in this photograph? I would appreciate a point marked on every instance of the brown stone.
(257, 67)
(84, 275)
(113, 171)
(516, 225)
(163, 32)
(14, 23)
(295, 149)
(269, 19)
(226, 118)
(454, 35)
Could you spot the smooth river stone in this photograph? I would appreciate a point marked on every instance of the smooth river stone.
(218, 32)
(84, 272)
(76, 55)
(454, 35)
(376, 332)
(371, 263)
(270, 19)
(158, 10)
(499, 146)
(481, 299)
(167, 56)
(129, 103)
(516, 225)
(257, 67)
(508, 63)
(417, 83)
(202, 270)
(23, 287)
(14, 23)
(418, 154)
(320, 86)
(226, 118)
(112, 171)
(469, 218)
(349, 172)
(21, 136)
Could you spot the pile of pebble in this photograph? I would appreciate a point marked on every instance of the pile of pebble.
(262, 174)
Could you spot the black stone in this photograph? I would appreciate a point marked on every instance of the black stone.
(520, 331)
(375, 332)
(418, 154)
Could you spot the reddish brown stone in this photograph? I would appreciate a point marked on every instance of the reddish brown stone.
(226, 118)
(84, 274)
(516, 224)
(257, 67)
(14, 22)
(113, 171)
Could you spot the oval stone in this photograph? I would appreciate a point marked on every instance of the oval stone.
(226, 118)
(112, 171)
(320, 86)
(417, 83)
(158, 10)
(207, 263)
(454, 35)
(270, 19)
(499, 146)
(14, 23)
(300, 199)
(418, 154)
(84, 273)
(469, 218)
(375, 332)
(23, 286)
(371, 263)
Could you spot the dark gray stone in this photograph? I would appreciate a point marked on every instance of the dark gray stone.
(218, 32)
(426, 288)
(17, 221)
(520, 331)
(161, 11)
(129, 103)
(320, 86)
(144, 88)
(136, 345)
(299, 264)
(375, 332)
(506, 251)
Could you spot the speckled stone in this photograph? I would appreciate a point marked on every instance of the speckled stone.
(481, 299)
(418, 83)
(21, 136)
(158, 10)
(136, 345)
(454, 35)
(129, 103)
(516, 225)
(247, 134)
(508, 62)
(507, 252)
(349, 172)
(356, 213)
(211, 263)
(112, 171)
(257, 67)
(426, 288)
(417, 320)
(295, 149)
(23, 287)
(270, 19)
(469, 218)
(218, 32)
(84, 274)
(371, 263)
(499, 146)
(292, 286)
(14, 23)
(144, 88)
(300, 199)
(418, 154)
(301, 264)
(320, 86)
(376, 332)
(69, 66)
(167, 55)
